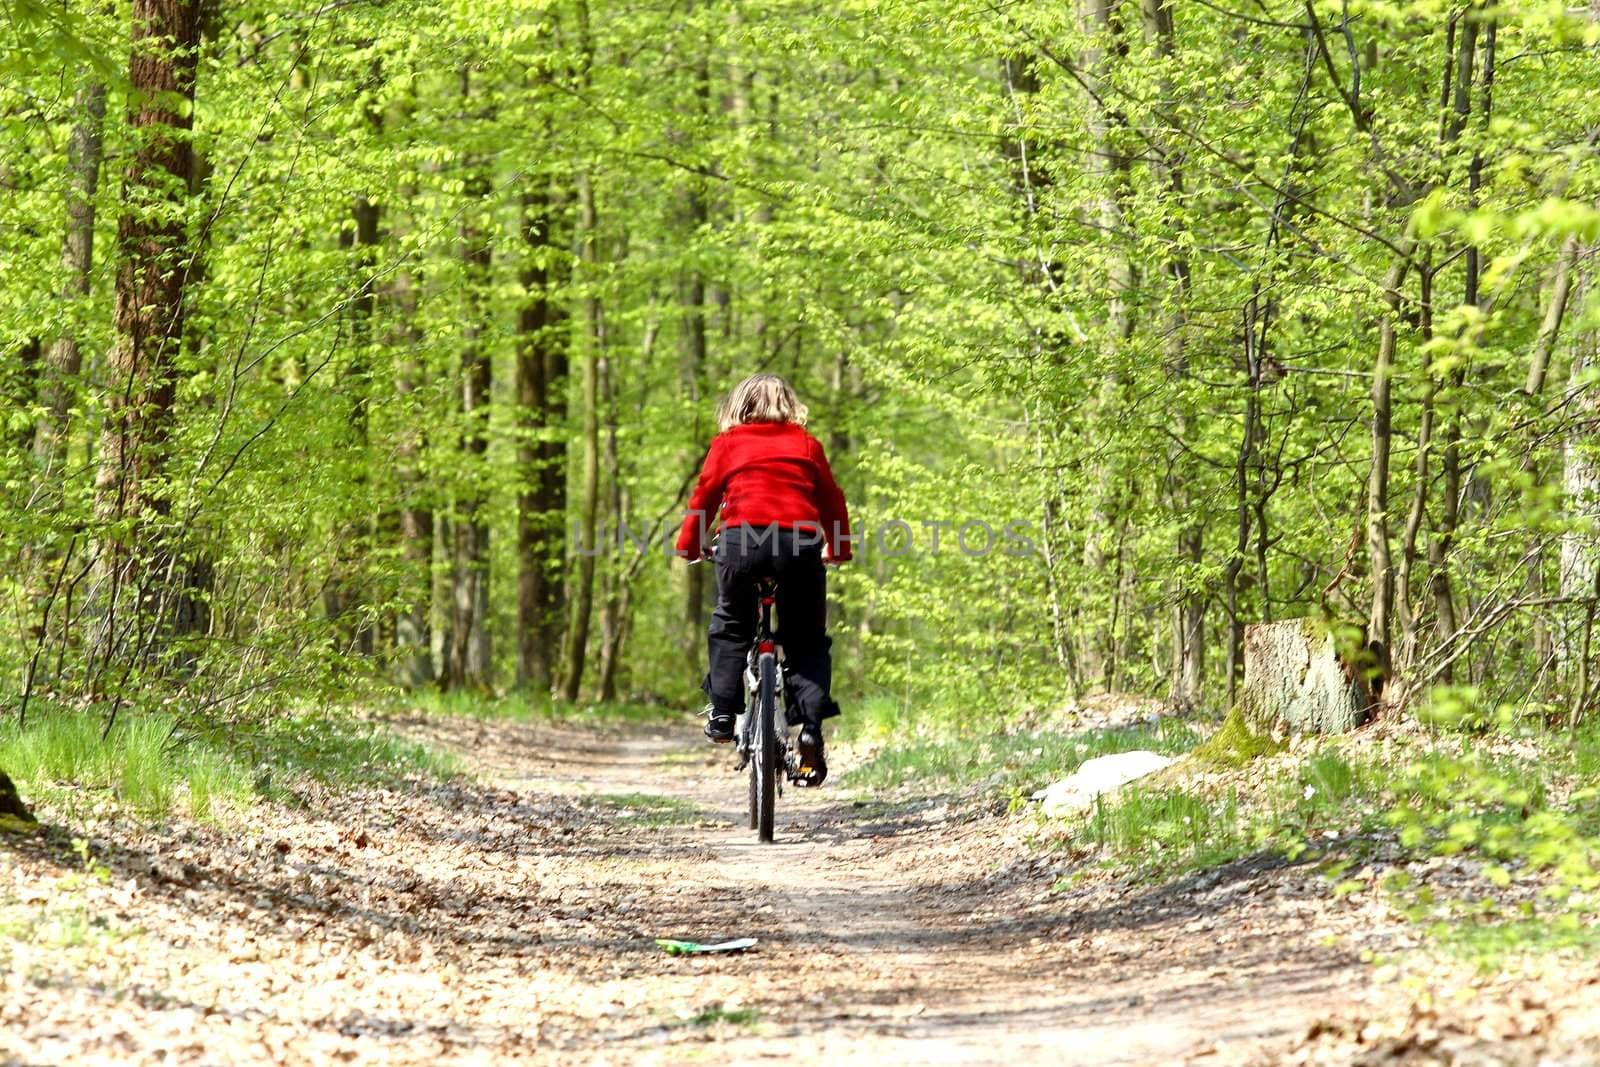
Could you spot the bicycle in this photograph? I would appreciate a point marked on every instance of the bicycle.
(762, 733)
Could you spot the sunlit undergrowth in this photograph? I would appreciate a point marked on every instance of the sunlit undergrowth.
(154, 764)
(1012, 763)
(141, 764)
(1480, 827)
(1480, 824)
(1291, 809)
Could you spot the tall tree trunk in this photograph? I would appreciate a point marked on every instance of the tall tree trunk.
(1579, 573)
(1101, 22)
(1443, 543)
(588, 541)
(63, 359)
(1408, 650)
(344, 593)
(1188, 613)
(414, 522)
(540, 352)
(695, 213)
(618, 584)
(152, 275)
(469, 663)
(1378, 549)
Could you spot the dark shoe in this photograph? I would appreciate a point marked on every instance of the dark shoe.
(812, 765)
(719, 727)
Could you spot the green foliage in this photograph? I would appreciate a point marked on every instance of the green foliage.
(1502, 811)
(1123, 286)
(1165, 830)
(340, 750)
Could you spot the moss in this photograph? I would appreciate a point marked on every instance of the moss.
(1235, 744)
(15, 818)
(11, 824)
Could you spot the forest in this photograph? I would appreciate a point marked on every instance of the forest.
(335, 337)
(362, 353)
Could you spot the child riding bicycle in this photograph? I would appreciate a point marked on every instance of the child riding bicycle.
(782, 515)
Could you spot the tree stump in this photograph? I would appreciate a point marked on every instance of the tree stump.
(1304, 676)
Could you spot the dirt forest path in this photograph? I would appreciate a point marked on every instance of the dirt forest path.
(512, 918)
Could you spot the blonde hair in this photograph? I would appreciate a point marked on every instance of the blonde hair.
(761, 398)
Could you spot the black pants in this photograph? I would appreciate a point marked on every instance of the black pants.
(745, 554)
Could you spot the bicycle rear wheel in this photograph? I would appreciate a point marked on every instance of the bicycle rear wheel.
(765, 750)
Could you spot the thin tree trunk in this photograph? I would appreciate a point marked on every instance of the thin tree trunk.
(1405, 606)
(469, 665)
(1449, 519)
(1105, 162)
(1554, 312)
(594, 340)
(344, 595)
(415, 519)
(1188, 615)
(64, 360)
(539, 533)
(692, 351)
(1378, 550)
(1580, 482)
(614, 611)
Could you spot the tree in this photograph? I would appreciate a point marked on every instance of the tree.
(469, 664)
(152, 275)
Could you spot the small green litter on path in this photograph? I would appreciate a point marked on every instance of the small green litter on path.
(694, 948)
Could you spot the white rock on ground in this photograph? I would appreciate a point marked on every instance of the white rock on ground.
(1096, 776)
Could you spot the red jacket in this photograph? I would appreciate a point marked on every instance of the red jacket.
(765, 473)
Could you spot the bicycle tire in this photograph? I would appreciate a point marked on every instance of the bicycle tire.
(764, 757)
(750, 758)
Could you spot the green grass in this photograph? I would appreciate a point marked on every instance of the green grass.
(1490, 942)
(141, 763)
(151, 766)
(1170, 830)
(1016, 762)
(342, 751)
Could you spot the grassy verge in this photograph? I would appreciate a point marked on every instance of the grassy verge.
(1483, 827)
(152, 764)
(1322, 801)
(1012, 764)
(1489, 840)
